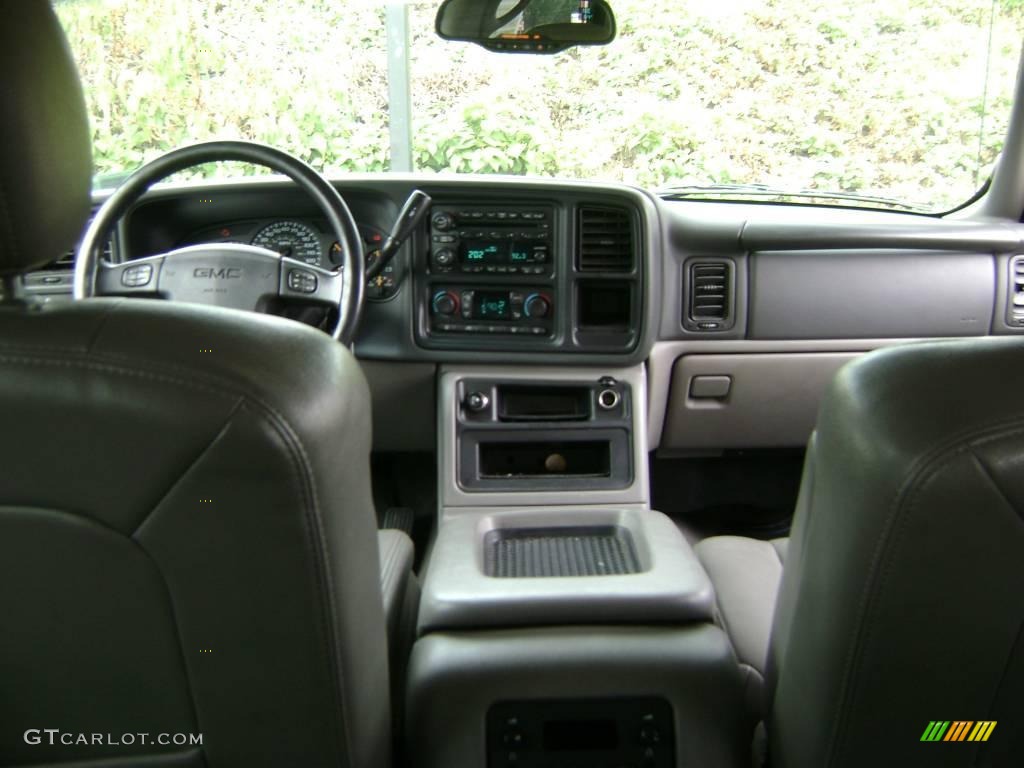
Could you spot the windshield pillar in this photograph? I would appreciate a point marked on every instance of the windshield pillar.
(399, 100)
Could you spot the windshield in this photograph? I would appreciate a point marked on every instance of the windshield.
(903, 100)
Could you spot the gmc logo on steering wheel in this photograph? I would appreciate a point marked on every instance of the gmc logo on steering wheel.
(224, 273)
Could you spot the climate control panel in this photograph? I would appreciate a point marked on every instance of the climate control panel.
(512, 310)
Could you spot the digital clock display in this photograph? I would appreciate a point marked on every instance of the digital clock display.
(492, 305)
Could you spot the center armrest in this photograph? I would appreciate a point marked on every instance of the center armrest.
(558, 566)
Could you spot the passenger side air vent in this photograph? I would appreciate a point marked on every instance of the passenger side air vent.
(606, 242)
(1015, 310)
(709, 296)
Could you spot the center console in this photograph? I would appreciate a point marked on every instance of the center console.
(492, 271)
(563, 623)
(532, 274)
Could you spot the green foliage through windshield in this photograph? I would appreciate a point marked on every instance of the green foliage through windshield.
(904, 99)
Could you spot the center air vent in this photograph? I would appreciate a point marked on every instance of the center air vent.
(606, 240)
(709, 298)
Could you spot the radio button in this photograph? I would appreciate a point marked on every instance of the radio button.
(444, 257)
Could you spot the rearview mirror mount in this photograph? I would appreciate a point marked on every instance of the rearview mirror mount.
(527, 26)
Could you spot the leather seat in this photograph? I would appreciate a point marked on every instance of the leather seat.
(900, 602)
(187, 536)
(746, 574)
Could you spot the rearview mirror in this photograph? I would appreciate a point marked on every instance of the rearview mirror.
(527, 26)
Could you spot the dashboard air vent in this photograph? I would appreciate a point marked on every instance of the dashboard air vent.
(1015, 312)
(709, 295)
(606, 240)
(67, 259)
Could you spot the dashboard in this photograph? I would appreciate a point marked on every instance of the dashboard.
(500, 267)
(739, 312)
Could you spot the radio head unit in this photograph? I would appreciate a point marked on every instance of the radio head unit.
(494, 239)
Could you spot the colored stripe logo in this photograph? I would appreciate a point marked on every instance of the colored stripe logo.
(958, 730)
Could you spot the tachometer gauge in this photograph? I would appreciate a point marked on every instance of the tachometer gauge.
(292, 239)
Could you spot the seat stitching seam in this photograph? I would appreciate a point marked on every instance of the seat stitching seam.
(314, 524)
(902, 506)
(198, 457)
(995, 483)
(107, 312)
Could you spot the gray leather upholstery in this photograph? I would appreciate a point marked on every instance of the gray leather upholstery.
(187, 538)
(401, 589)
(746, 574)
(900, 601)
(187, 535)
(45, 160)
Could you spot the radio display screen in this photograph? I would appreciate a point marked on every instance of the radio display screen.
(488, 252)
(484, 252)
(492, 305)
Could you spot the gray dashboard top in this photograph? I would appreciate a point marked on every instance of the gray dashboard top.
(673, 233)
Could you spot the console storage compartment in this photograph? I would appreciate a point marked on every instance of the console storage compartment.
(659, 579)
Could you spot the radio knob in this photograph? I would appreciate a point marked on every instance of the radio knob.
(445, 303)
(442, 221)
(536, 305)
(444, 257)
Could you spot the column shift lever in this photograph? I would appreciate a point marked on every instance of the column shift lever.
(412, 214)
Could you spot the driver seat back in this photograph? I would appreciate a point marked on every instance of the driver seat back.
(188, 550)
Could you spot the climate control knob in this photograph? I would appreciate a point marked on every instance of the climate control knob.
(445, 303)
(536, 305)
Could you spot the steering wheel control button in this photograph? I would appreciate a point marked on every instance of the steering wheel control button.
(302, 281)
(137, 276)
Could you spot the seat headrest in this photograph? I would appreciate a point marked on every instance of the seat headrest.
(45, 153)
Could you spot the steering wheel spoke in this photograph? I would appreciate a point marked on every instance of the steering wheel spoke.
(140, 278)
(303, 282)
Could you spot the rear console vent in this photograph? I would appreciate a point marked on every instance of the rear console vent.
(606, 240)
(1015, 310)
(709, 295)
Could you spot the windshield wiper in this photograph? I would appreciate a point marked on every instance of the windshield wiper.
(694, 191)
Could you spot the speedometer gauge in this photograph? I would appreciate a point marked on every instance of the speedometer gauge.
(293, 239)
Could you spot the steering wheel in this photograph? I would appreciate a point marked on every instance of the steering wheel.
(227, 274)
